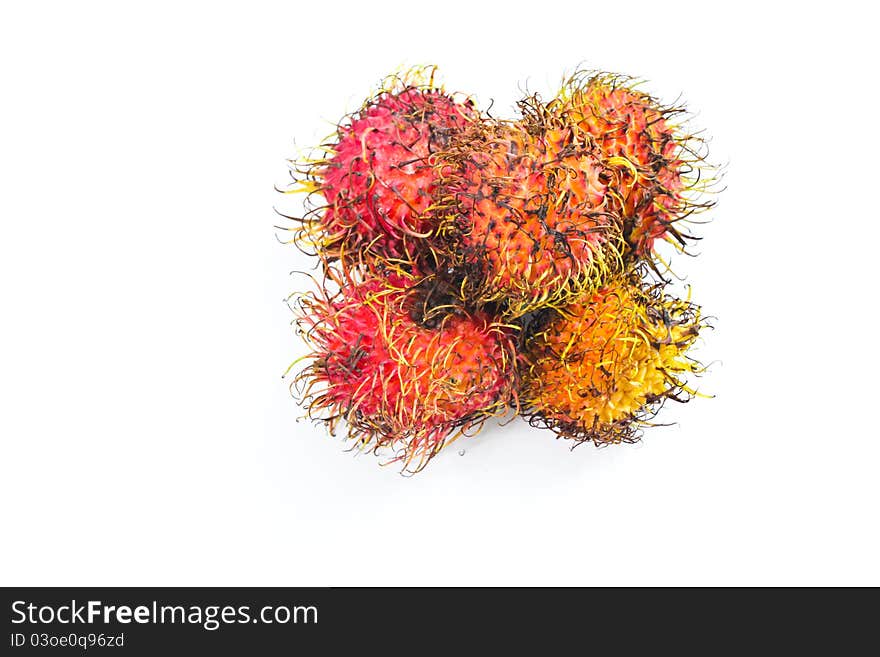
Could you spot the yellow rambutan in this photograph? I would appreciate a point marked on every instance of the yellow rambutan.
(600, 368)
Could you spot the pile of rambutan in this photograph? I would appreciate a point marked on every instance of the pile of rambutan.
(472, 267)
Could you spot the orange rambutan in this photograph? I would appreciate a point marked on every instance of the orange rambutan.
(660, 169)
(524, 216)
(399, 375)
(377, 176)
(601, 368)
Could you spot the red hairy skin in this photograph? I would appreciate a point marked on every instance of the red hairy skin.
(396, 380)
(378, 177)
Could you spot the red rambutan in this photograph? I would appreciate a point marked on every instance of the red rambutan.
(397, 376)
(377, 178)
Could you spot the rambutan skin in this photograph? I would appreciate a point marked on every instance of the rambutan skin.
(599, 369)
(660, 169)
(378, 177)
(524, 216)
(395, 379)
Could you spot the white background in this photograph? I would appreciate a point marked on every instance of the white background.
(147, 436)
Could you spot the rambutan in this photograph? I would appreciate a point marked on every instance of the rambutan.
(476, 267)
(601, 368)
(524, 216)
(397, 375)
(377, 177)
(660, 169)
